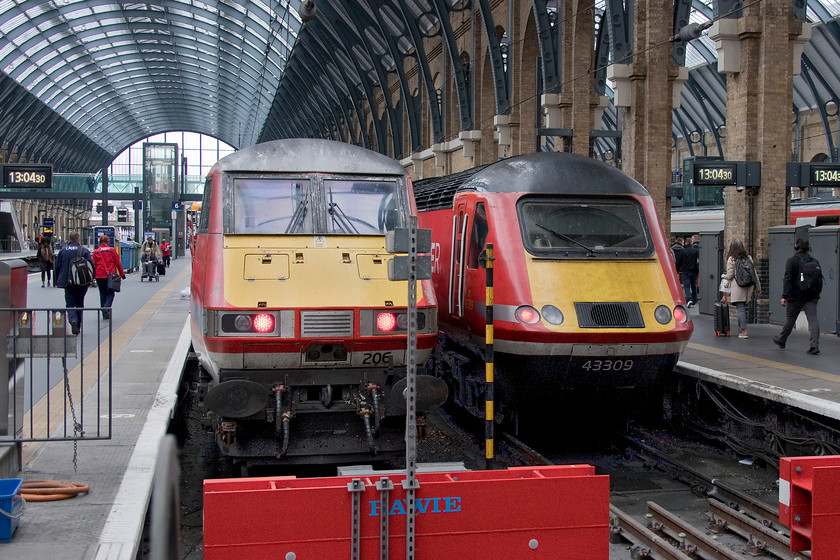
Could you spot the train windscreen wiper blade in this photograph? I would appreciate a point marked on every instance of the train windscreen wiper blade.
(565, 237)
(297, 218)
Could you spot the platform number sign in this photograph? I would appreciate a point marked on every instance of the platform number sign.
(27, 176)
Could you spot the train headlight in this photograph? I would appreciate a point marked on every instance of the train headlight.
(552, 315)
(242, 323)
(527, 314)
(662, 315)
(680, 316)
(386, 322)
(263, 323)
(378, 322)
(247, 324)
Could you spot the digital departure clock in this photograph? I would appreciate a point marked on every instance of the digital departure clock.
(27, 176)
(715, 174)
(825, 175)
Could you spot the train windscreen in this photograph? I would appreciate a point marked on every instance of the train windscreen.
(361, 207)
(271, 206)
(584, 228)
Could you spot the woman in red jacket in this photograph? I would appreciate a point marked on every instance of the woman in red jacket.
(106, 260)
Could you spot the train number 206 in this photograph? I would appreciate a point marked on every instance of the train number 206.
(607, 365)
(377, 358)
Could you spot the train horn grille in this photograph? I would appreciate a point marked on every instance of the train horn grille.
(609, 315)
(326, 324)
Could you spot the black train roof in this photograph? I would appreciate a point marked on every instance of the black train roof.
(540, 172)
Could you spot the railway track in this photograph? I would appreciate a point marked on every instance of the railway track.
(703, 516)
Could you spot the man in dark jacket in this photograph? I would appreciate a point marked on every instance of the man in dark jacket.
(74, 296)
(676, 251)
(794, 301)
(689, 269)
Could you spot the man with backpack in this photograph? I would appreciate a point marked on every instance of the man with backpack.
(74, 271)
(800, 292)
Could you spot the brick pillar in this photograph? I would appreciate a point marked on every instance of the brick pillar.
(578, 100)
(758, 118)
(647, 144)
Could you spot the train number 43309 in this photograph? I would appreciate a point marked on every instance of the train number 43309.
(607, 365)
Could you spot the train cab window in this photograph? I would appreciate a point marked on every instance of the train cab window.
(362, 207)
(204, 216)
(271, 206)
(584, 228)
(478, 235)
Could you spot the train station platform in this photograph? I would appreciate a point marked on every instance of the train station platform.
(150, 341)
(756, 366)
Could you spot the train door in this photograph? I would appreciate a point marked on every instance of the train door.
(460, 222)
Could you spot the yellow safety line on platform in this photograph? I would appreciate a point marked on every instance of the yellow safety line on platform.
(121, 337)
(764, 362)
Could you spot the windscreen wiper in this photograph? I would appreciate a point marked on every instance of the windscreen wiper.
(297, 217)
(565, 237)
(340, 218)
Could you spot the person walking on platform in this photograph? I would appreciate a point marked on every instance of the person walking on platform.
(801, 289)
(676, 251)
(107, 261)
(46, 258)
(74, 294)
(166, 252)
(741, 277)
(689, 270)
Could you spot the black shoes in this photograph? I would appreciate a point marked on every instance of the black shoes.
(781, 344)
(814, 351)
(74, 326)
(106, 313)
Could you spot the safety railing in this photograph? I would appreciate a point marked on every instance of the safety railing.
(60, 383)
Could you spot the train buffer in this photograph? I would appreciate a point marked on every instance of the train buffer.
(809, 503)
(534, 512)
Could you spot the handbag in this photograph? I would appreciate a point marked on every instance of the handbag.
(114, 281)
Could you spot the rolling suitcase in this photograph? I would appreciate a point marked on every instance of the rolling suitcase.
(161, 268)
(721, 318)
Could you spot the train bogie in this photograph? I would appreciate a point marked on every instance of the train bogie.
(302, 336)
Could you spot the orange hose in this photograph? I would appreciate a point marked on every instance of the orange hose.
(51, 490)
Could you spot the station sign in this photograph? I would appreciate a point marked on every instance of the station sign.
(110, 231)
(27, 176)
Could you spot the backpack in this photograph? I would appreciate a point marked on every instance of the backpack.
(810, 276)
(745, 272)
(81, 270)
(44, 253)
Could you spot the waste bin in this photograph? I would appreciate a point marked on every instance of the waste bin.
(129, 257)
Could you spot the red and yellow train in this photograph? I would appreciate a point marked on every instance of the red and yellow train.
(300, 335)
(587, 303)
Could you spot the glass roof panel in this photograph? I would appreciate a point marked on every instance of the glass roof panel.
(170, 45)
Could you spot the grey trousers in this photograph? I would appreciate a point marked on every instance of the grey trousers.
(792, 309)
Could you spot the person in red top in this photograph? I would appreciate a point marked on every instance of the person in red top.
(166, 251)
(106, 260)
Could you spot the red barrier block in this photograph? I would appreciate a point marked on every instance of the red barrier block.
(809, 503)
(538, 513)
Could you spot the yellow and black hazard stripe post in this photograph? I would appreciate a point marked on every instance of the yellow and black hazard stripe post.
(489, 397)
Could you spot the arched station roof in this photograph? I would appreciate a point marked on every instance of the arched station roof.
(80, 80)
(84, 79)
